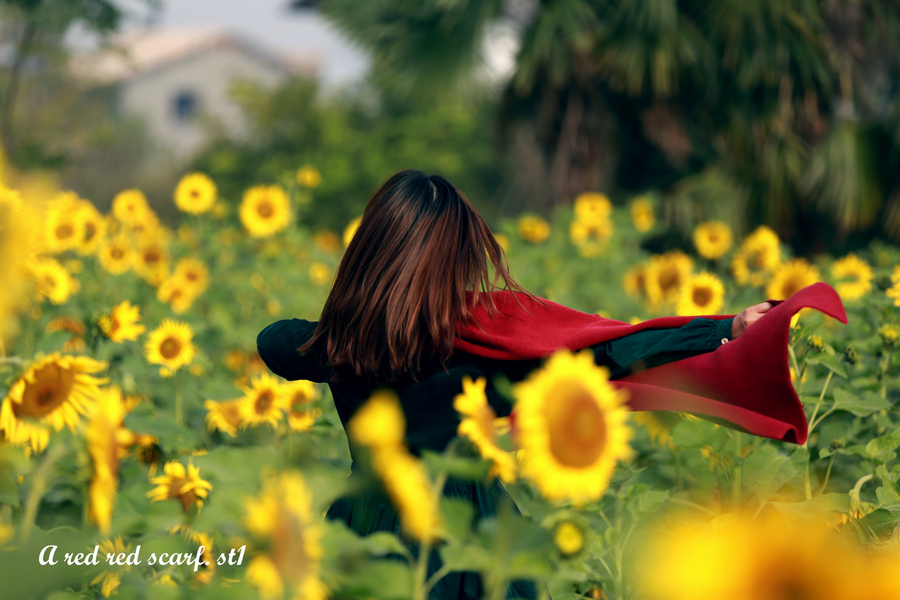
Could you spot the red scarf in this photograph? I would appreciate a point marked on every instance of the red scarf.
(745, 382)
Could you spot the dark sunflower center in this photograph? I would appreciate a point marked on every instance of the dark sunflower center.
(152, 256)
(64, 231)
(577, 428)
(50, 389)
(668, 279)
(170, 348)
(264, 401)
(265, 209)
(90, 229)
(117, 253)
(701, 296)
(195, 193)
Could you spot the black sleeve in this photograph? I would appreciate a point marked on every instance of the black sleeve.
(654, 347)
(277, 346)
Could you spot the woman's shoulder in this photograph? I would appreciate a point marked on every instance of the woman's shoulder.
(278, 346)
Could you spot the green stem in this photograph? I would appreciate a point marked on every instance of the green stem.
(884, 367)
(679, 477)
(812, 419)
(736, 483)
(38, 487)
(11, 360)
(179, 396)
(827, 474)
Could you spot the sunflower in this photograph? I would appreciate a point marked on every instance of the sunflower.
(152, 261)
(858, 272)
(282, 515)
(52, 393)
(702, 294)
(297, 397)
(327, 240)
(642, 216)
(769, 557)
(103, 437)
(176, 292)
(757, 258)
(790, 278)
(635, 280)
(265, 210)
(170, 345)
(131, 207)
(110, 580)
(502, 241)
(379, 423)
(63, 224)
(123, 323)
(194, 273)
(93, 228)
(319, 273)
(224, 416)
(592, 208)
(571, 426)
(116, 254)
(479, 424)
(591, 239)
(195, 193)
(147, 230)
(568, 537)
(20, 231)
(664, 276)
(182, 484)
(350, 231)
(309, 177)
(73, 326)
(712, 239)
(262, 401)
(53, 281)
(533, 229)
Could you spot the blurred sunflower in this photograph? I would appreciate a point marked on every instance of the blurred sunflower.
(702, 294)
(170, 345)
(790, 278)
(297, 397)
(658, 430)
(665, 274)
(319, 273)
(592, 208)
(63, 224)
(194, 273)
(712, 239)
(93, 228)
(122, 323)
(502, 240)
(309, 177)
(282, 514)
(131, 206)
(642, 216)
(860, 276)
(265, 210)
(116, 255)
(53, 281)
(327, 240)
(224, 416)
(572, 427)
(195, 193)
(176, 292)
(104, 442)
(147, 230)
(152, 261)
(894, 290)
(52, 393)
(635, 280)
(533, 229)
(70, 325)
(182, 484)
(262, 402)
(590, 239)
(757, 258)
(350, 230)
(771, 557)
(479, 424)
(568, 537)
(110, 580)
(20, 231)
(379, 423)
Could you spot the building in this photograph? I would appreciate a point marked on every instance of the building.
(179, 81)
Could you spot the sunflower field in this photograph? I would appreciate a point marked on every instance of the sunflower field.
(147, 452)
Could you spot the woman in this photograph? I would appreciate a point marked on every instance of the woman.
(415, 305)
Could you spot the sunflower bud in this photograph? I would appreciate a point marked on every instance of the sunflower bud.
(569, 538)
(890, 334)
(837, 444)
(883, 282)
(851, 357)
(814, 342)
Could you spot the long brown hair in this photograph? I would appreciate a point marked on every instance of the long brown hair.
(400, 289)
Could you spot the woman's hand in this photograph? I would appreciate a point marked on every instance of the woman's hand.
(747, 317)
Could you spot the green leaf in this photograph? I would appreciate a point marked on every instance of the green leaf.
(816, 507)
(880, 448)
(880, 522)
(458, 515)
(691, 434)
(648, 501)
(766, 471)
(465, 557)
(828, 361)
(861, 405)
(470, 469)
